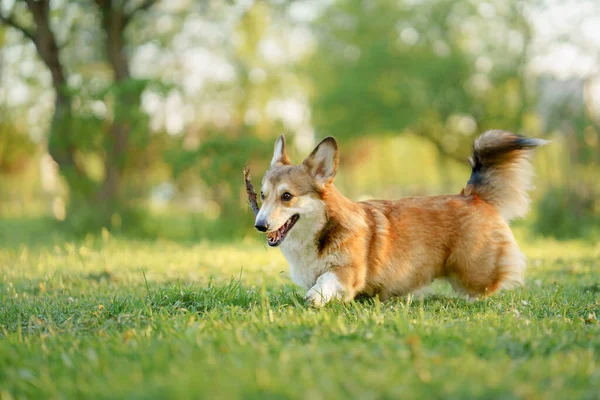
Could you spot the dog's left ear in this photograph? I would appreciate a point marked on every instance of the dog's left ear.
(279, 155)
(323, 161)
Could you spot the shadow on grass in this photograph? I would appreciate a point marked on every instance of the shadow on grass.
(200, 300)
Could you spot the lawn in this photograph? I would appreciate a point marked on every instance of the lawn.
(110, 317)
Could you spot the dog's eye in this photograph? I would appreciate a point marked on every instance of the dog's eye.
(262, 195)
(286, 196)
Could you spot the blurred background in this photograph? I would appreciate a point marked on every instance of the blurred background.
(137, 116)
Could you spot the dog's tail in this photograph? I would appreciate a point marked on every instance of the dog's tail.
(502, 171)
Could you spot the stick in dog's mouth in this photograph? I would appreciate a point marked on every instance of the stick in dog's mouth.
(250, 191)
(275, 238)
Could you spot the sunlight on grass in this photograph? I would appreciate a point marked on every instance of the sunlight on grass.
(156, 319)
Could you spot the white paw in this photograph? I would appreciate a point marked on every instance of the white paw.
(327, 288)
(315, 298)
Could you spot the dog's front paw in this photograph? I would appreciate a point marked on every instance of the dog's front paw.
(315, 298)
(327, 288)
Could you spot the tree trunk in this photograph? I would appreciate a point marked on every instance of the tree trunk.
(61, 143)
(60, 146)
(114, 21)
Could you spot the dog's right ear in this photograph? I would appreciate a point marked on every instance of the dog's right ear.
(279, 155)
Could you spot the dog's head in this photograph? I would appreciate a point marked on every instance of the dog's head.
(292, 195)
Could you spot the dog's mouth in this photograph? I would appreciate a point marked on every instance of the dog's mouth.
(275, 238)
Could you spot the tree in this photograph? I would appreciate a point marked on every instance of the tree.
(33, 19)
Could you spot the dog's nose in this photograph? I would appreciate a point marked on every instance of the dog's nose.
(261, 226)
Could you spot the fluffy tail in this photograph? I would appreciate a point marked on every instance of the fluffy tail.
(502, 172)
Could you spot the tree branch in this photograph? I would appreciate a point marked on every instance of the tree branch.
(143, 6)
(10, 21)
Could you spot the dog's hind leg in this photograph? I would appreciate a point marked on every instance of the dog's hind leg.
(482, 274)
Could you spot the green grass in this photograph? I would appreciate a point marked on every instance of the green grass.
(108, 317)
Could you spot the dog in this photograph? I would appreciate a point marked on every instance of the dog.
(338, 249)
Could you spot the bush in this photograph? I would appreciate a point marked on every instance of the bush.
(565, 213)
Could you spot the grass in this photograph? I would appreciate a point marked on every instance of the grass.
(108, 317)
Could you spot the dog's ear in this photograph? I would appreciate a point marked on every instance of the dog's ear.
(279, 155)
(322, 163)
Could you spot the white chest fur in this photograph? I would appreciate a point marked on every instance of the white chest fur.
(305, 265)
(301, 253)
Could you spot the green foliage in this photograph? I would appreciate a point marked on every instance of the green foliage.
(191, 226)
(108, 316)
(218, 162)
(569, 206)
(369, 72)
(564, 213)
(89, 218)
(16, 148)
(218, 157)
(416, 68)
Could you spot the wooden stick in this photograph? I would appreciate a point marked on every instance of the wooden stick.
(250, 191)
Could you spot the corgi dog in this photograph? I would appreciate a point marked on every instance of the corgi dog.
(337, 248)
